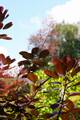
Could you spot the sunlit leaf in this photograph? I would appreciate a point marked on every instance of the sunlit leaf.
(59, 66)
(32, 77)
(50, 73)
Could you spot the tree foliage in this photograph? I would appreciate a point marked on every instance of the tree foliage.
(60, 39)
(33, 96)
(69, 40)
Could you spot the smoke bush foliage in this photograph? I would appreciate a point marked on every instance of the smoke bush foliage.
(43, 89)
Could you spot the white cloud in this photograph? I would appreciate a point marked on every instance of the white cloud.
(68, 12)
(3, 50)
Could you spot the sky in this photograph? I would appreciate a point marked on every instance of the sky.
(27, 17)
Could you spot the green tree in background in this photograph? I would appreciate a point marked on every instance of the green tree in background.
(60, 39)
(69, 40)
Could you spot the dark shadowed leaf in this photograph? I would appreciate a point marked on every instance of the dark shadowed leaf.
(5, 13)
(56, 82)
(76, 84)
(69, 62)
(51, 115)
(25, 54)
(35, 51)
(1, 25)
(1, 9)
(38, 62)
(65, 116)
(4, 36)
(7, 38)
(35, 112)
(24, 75)
(74, 93)
(8, 25)
(44, 53)
(33, 68)
(31, 106)
(54, 106)
(24, 62)
(75, 71)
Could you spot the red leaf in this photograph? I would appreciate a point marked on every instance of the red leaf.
(50, 73)
(32, 77)
(8, 25)
(9, 60)
(59, 66)
(65, 116)
(2, 58)
(2, 84)
(1, 25)
(75, 112)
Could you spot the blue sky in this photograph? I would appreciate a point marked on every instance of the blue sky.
(26, 16)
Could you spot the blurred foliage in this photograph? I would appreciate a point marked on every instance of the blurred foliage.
(70, 40)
